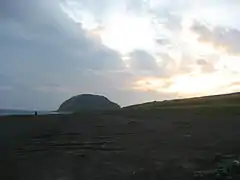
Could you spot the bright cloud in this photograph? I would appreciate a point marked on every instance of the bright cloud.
(200, 53)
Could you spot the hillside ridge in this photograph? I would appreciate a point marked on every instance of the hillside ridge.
(211, 100)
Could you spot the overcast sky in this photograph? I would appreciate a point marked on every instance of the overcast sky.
(131, 51)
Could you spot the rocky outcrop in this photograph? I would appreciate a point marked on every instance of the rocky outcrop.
(87, 102)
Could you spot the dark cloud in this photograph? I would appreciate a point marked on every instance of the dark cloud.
(167, 18)
(5, 80)
(142, 60)
(202, 62)
(54, 33)
(206, 67)
(162, 41)
(39, 46)
(99, 9)
(220, 36)
(136, 6)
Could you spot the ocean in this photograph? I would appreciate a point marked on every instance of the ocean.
(8, 112)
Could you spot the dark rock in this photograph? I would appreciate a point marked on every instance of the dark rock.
(87, 102)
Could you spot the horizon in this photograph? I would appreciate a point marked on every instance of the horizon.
(130, 51)
(142, 103)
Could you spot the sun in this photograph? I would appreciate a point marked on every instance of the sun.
(190, 85)
(125, 33)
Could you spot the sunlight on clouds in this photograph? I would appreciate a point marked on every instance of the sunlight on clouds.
(197, 84)
(126, 60)
(225, 79)
(78, 14)
(149, 84)
(189, 40)
(230, 62)
(191, 85)
(126, 32)
(214, 15)
(122, 31)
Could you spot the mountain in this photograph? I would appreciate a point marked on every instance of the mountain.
(223, 100)
(87, 102)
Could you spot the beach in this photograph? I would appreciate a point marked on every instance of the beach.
(120, 144)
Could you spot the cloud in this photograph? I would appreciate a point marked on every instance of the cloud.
(225, 38)
(206, 67)
(45, 25)
(4, 80)
(235, 86)
(51, 50)
(40, 45)
(142, 60)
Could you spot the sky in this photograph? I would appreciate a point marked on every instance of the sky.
(131, 51)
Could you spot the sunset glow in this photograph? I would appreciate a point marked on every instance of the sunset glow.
(196, 65)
